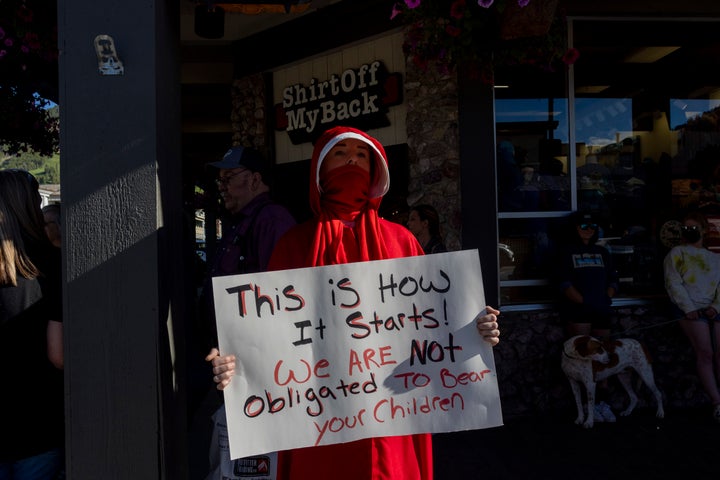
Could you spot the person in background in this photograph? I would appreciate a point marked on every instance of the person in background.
(424, 223)
(53, 225)
(349, 176)
(692, 280)
(31, 344)
(252, 226)
(587, 281)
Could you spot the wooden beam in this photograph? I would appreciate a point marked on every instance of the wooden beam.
(124, 274)
(324, 29)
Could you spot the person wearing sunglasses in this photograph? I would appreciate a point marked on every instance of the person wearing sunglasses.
(252, 224)
(587, 280)
(692, 281)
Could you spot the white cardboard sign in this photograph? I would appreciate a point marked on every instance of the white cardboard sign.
(337, 353)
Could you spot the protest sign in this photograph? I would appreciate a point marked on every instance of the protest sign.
(337, 353)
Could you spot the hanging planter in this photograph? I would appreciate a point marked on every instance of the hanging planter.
(483, 34)
(532, 20)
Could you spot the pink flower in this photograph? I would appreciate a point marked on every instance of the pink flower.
(523, 3)
(395, 11)
(24, 49)
(570, 56)
(3, 53)
(486, 3)
(9, 42)
(457, 9)
(412, 3)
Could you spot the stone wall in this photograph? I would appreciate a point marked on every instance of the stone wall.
(432, 137)
(248, 113)
(528, 361)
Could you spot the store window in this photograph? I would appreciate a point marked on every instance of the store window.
(640, 108)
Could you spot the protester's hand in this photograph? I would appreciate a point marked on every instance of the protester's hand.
(694, 315)
(487, 325)
(223, 367)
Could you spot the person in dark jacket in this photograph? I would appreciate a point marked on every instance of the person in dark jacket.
(250, 229)
(252, 225)
(31, 351)
(588, 281)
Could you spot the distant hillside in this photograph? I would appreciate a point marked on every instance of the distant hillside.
(45, 169)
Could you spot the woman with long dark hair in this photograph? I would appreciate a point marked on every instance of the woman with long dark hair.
(424, 223)
(31, 353)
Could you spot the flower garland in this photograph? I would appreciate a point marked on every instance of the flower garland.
(448, 33)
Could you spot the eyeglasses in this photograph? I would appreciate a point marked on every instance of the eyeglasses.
(224, 181)
(588, 226)
(689, 228)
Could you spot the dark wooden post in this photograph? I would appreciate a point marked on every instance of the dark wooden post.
(477, 169)
(124, 286)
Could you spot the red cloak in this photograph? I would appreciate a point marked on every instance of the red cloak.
(343, 231)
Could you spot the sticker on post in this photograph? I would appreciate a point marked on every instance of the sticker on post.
(108, 61)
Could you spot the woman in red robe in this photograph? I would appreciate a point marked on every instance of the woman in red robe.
(349, 176)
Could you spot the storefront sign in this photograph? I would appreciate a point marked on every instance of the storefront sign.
(356, 97)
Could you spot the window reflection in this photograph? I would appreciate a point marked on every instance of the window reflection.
(645, 149)
(531, 164)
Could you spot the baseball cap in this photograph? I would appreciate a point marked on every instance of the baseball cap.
(580, 217)
(243, 157)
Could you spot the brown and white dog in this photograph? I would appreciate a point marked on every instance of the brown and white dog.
(586, 360)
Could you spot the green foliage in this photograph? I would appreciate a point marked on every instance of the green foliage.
(29, 80)
(45, 168)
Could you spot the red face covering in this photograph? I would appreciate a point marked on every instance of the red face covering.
(345, 192)
(347, 221)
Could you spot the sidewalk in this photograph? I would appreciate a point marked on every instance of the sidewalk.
(686, 444)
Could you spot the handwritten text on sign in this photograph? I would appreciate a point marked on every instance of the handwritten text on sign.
(338, 353)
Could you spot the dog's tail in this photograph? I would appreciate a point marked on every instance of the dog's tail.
(639, 381)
